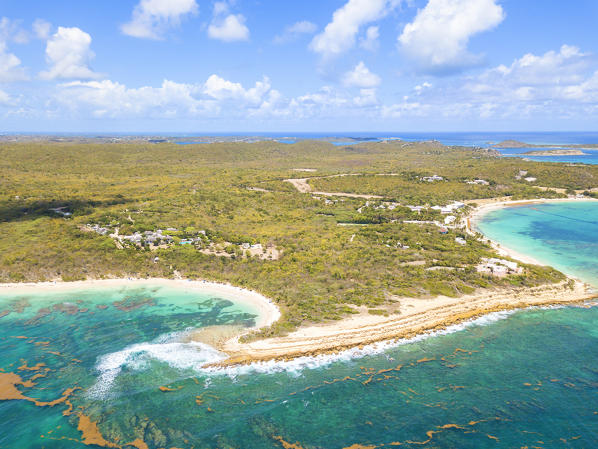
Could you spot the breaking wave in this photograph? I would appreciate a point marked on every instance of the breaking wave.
(194, 356)
(167, 348)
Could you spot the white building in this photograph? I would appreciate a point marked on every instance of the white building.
(432, 178)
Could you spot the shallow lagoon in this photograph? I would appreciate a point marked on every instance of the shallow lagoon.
(508, 380)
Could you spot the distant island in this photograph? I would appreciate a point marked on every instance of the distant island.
(510, 144)
(513, 144)
(559, 152)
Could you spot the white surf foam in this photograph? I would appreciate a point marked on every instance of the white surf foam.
(295, 366)
(194, 355)
(167, 348)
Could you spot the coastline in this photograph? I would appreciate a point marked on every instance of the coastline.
(414, 316)
(269, 313)
(489, 205)
(417, 316)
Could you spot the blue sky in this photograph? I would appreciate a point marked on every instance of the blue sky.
(263, 65)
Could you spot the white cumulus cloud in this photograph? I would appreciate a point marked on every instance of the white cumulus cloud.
(10, 64)
(360, 76)
(229, 29)
(340, 34)
(68, 54)
(293, 32)
(438, 36)
(370, 40)
(152, 18)
(216, 97)
(562, 79)
(4, 98)
(41, 29)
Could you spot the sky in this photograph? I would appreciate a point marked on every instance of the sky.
(199, 66)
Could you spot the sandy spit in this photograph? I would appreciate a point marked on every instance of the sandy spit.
(417, 316)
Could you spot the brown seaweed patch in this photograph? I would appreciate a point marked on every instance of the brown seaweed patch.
(425, 360)
(8, 387)
(128, 304)
(37, 367)
(102, 306)
(91, 435)
(10, 392)
(492, 437)
(4, 313)
(63, 399)
(360, 446)
(138, 443)
(286, 444)
(199, 400)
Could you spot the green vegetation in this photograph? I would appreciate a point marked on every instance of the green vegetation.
(325, 270)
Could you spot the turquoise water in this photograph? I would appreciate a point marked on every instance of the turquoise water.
(508, 380)
(589, 156)
(564, 235)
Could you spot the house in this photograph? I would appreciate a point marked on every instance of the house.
(449, 220)
(432, 178)
(98, 229)
(499, 267)
(480, 182)
(460, 241)
(135, 238)
(443, 230)
(455, 205)
(61, 211)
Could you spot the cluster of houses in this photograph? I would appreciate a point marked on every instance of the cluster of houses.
(98, 229)
(154, 240)
(448, 209)
(499, 267)
(149, 238)
(385, 205)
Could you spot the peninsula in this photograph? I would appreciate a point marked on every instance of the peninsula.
(373, 242)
